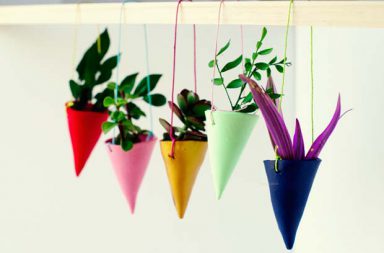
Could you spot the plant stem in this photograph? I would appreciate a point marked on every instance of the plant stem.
(226, 91)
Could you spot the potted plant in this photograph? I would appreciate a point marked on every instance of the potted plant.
(291, 174)
(226, 140)
(183, 148)
(86, 112)
(131, 147)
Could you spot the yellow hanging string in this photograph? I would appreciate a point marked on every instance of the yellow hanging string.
(285, 51)
(312, 89)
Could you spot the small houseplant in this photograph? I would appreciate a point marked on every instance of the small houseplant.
(226, 142)
(183, 148)
(292, 173)
(131, 146)
(86, 112)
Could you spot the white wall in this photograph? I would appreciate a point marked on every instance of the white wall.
(44, 208)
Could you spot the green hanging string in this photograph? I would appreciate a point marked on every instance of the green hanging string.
(285, 51)
(312, 90)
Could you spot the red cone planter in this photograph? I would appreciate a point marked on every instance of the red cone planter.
(85, 130)
(130, 167)
(289, 189)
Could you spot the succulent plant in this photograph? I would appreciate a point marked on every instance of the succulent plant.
(93, 71)
(123, 110)
(191, 112)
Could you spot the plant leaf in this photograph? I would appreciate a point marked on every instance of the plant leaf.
(279, 68)
(266, 51)
(126, 145)
(257, 75)
(155, 99)
(249, 108)
(272, 87)
(237, 83)
(262, 65)
(182, 102)
(263, 33)
(195, 122)
(233, 64)
(298, 143)
(218, 81)
(320, 141)
(128, 83)
(108, 101)
(200, 107)
(75, 89)
(211, 63)
(273, 120)
(248, 98)
(176, 110)
(222, 50)
(108, 126)
(141, 88)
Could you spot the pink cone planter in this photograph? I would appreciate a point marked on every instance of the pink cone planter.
(130, 167)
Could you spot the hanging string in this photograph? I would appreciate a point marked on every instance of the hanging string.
(148, 81)
(116, 91)
(75, 37)
(171, 133)
(285, 51)
(194, 58)
(215, 59)
(312, 90)
(242, 45)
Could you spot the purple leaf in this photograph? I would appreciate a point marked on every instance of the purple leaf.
(273, 120)
(298, 143)
(319, 143)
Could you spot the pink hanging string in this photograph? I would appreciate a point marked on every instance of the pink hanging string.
(214, 67)
(171, 134)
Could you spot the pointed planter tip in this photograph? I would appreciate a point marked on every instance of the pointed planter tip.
(228, 134)
(289, 190)
(182, 170)
(85, 130)
(130, 167)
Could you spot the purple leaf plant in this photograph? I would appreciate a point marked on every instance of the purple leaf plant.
(280, 137)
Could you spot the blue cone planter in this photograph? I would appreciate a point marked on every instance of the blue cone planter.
(289, 189)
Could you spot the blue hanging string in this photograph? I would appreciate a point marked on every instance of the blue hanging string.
(118, 63)
(148, 82)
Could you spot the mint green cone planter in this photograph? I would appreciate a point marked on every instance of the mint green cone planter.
(228, 133)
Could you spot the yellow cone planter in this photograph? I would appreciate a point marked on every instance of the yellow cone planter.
(228, 133)
(183, 169)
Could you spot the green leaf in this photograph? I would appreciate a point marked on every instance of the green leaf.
(222, 50)
(195, 122)
(75, 89)
(176, 110)
(266, 51)
(155, 99)
(211, 64)
(108, 126)
(279, 68)
(262, 65)
(111, 86)
(120, 102)
(273, 60)
(165, 124)
(126, 145)
(182, 102)
(247, 98)
(263, 33)
(134, 111)
(128, 83)
(268, 72)
(117, 116)
(232, 64)
(254, 55)
(200, 107)
(141, 88)
(237, 83)
(218, 81)
(192, 97)
(108, 101)
(258, 45)
(257, 75)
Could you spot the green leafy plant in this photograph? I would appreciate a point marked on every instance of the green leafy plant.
(123, 110)
(190, 109)
(253, 67)
(93, 70)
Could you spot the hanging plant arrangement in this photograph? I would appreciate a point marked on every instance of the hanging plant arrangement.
(183, 148)
(228, 131)
(291, 175)
(131, 147)
(85, 113)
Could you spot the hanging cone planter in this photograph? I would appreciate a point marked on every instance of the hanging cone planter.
(85, 130)
(130, 167)
(289, 189)
(228, 133)
(183, 169)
